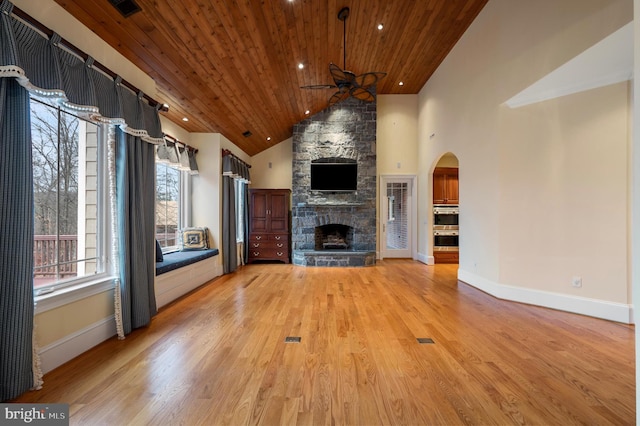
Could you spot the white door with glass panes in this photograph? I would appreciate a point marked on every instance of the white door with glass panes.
(396, 215)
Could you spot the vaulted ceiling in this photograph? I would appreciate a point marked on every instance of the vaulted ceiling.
(231, 66)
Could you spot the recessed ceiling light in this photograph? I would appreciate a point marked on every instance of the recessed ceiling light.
(401, 83)
(268, 138)
(307, 112)
(185, 119)
(380, 26)
(300, 65)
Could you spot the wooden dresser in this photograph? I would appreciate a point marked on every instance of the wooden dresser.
(269, 228)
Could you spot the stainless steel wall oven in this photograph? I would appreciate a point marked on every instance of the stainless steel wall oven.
(445, 227)
(446, 215)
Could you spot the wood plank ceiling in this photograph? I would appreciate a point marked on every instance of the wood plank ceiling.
(231, 66)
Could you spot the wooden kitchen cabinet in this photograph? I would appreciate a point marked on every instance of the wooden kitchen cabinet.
(446, 257)
(445, 185)
(269, 231)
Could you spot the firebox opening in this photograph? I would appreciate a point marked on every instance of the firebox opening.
(333, 237)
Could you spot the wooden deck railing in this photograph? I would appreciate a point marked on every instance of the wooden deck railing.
(45, 261)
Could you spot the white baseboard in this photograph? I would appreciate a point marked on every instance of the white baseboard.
(618, 312)
(72, 345)
(429, 260)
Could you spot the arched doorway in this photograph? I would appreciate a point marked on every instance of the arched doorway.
(445, 201)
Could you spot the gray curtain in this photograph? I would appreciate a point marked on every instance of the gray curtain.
(229, 251)
(16, 250)
(135, 201)
(246, 220)
(233, 168)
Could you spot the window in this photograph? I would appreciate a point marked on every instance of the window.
(168, 206)
(240, 188)
(68, 218)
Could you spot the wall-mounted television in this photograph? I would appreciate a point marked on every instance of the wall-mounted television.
(334, 177)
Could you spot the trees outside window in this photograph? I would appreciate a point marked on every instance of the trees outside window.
(67, 218)
(168, 199)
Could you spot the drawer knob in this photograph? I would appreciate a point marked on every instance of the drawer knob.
(279, 244)
(256, 253)
(256, 244)
(258, 237)
(277, 237)
(279, 253)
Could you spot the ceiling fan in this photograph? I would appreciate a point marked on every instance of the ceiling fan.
(347, 83)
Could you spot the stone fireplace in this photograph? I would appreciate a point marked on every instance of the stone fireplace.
(335, 228)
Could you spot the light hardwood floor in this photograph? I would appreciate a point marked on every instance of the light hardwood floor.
(218, 356)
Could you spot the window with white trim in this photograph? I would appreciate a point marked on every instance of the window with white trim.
(169, 201)
(68, 173)
(240, 187)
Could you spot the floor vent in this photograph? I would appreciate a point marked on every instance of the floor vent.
(292, 339)
(425, 340)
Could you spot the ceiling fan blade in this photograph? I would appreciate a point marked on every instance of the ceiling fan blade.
(319, 86)
(342, 78)
(368, 79)
(339, 96)
(362, 94)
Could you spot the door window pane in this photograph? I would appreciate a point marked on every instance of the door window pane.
(397, 223)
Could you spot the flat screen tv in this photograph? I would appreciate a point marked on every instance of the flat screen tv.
(334, 177)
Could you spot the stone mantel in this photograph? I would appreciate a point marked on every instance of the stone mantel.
(330, 204)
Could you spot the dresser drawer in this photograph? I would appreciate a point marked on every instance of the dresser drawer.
(268, 254)
(259, 237)
(264, 245)
(269, 246)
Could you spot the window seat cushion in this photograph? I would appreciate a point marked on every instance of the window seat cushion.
(179, 259)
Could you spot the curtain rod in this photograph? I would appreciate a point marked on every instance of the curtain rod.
(174, 140)
(49, 32)
(226, 152)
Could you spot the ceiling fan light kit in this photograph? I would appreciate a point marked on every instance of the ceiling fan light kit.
(349, 84)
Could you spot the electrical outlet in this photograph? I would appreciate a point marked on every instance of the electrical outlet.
(576, 281)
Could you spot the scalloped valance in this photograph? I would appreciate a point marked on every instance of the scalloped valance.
(47, 69)
(234, 167)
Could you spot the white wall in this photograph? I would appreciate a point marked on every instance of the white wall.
(537, 182)
(175, 131)
(207, 185)
(205, 206)
(272, 168)
(397, 135)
